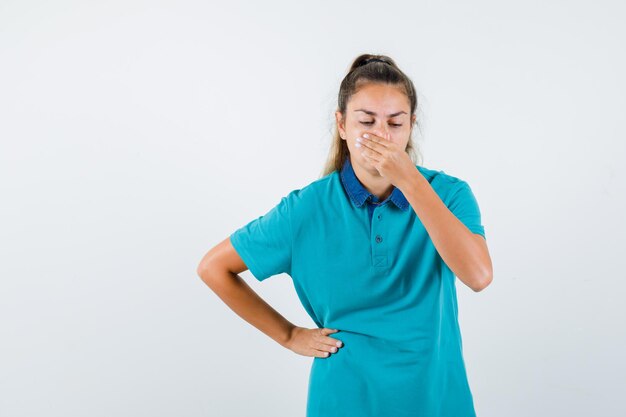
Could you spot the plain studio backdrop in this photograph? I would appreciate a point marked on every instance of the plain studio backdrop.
(136, 135)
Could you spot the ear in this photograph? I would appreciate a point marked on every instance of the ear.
(340, 124)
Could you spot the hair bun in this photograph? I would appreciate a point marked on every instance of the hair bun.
(367, 61)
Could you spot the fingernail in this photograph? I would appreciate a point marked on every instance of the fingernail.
(366, 136)
(358, 145)
(339, 344)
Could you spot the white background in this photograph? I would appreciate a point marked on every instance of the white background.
(135, 135)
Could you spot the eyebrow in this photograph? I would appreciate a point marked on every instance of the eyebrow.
(371, 113)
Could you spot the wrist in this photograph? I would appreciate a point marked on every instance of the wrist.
(288, 335)
(410, 181)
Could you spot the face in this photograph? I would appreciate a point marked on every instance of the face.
(379, 109)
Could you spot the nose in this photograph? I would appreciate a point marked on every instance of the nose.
(383, 133)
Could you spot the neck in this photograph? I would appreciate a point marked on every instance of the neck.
(372, 181)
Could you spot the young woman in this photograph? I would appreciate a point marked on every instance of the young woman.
(373, 248)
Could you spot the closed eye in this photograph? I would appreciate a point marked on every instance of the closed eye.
(371, 123)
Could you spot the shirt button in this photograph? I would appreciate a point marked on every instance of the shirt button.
(379, 217)
(379, 239)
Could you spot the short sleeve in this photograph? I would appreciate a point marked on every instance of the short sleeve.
(464, 206)
(264, 244)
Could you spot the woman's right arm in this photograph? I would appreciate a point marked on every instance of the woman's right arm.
(219, 269)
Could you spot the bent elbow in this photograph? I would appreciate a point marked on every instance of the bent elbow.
(204, 270)
(200, 271)
(213, 274)
(482, 283)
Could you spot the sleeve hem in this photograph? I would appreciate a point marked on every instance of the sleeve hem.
(247, 258)
(477, 228)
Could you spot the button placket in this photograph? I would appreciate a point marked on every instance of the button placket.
(378, 243)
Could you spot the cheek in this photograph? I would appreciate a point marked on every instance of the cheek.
(354, 150)
(401, 138)
(352, 135)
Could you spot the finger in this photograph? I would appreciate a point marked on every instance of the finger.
(374, 139)
(327, 340)
(372, 150)
(325, 330)
(331, 342)
(372, 146)
(326, 347)
(322, 337)
(328, 344)
(320, 353)
(375, 134)
(371, 155)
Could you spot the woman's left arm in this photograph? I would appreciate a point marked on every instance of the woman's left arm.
(464, 251)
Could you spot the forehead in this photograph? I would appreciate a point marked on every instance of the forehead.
(380, 98)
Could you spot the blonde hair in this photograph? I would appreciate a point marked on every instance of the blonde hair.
(367, 68)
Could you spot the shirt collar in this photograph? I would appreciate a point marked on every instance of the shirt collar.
(359, 194)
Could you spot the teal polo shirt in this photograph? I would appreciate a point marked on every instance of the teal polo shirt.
(377, 278)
